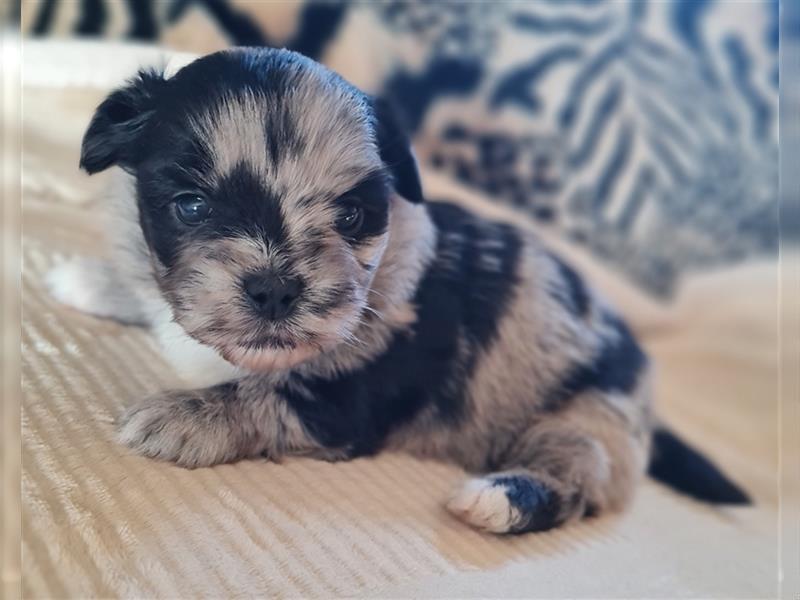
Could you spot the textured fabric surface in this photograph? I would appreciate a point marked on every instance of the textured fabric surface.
(644, 131)
(99, 522)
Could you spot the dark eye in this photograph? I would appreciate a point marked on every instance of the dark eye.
(192, 209)
(350, 219)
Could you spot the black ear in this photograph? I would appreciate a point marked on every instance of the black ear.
(112, 134)
(395, 151)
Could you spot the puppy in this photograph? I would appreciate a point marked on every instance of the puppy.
(271, 231)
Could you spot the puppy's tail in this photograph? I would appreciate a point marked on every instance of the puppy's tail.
(676, 464)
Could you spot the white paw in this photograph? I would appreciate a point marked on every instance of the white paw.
(93, 286)
(74, 284)
(484, 505)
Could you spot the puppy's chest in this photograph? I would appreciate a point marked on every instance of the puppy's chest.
(460, 303)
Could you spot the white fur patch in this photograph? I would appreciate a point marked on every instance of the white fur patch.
(72, 284)
(197, 365)
(484, 505)
(89, 285)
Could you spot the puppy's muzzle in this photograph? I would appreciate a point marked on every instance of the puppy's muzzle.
(272, 296)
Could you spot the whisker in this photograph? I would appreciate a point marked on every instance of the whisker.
(374, 312)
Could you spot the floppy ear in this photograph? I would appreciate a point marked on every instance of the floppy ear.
(118, 121)
(395, 150)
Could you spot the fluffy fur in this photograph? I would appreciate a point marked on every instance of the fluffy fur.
(423, 328)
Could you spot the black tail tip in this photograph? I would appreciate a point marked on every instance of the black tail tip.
(676, 464)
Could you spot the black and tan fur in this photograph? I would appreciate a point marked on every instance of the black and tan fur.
(427, 330)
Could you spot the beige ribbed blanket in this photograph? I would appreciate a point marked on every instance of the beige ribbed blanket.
(99, 522)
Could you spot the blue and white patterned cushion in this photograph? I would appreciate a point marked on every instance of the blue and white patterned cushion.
(646, 132)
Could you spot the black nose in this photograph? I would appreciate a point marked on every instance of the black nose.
(272, 296)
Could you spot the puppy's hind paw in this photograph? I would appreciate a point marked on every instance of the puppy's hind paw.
(512, 503)
(91, 286)
(72, 284)
(483, 505)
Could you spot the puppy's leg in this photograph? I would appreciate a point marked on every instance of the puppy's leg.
(93, 286)
(568, 466)
(204, 427)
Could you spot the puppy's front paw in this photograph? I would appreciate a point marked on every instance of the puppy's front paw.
(180, 427)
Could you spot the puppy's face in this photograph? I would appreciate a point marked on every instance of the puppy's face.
(264, 184)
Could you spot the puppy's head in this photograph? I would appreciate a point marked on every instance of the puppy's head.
(264, 185)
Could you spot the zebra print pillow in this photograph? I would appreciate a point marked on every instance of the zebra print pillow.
(644, 131)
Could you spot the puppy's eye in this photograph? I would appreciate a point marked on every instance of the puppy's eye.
(350, 219)
(192, 209)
